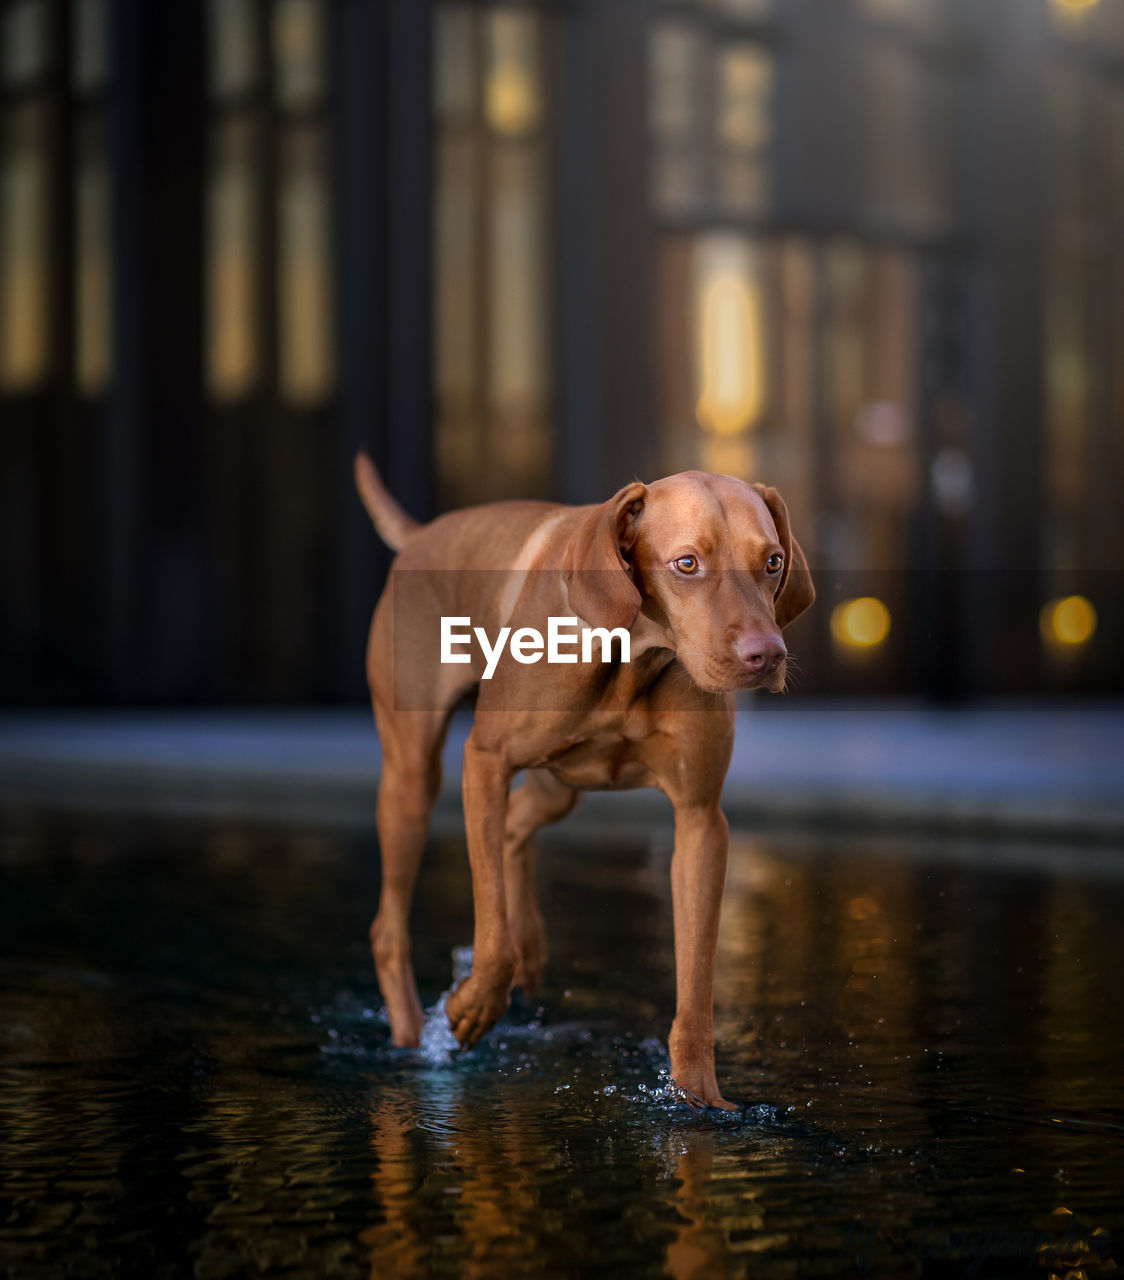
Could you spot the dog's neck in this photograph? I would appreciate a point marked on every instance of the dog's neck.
(652, 651)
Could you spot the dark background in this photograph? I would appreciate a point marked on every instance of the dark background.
(869, 251)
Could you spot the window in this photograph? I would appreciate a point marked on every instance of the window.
(710, 116)
(269, 296)
(305, 315)
(492, 292)
(233, 212)
(25, 196)
(40, 102)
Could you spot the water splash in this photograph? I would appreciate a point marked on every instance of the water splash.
(599, 1072)
(669, 1099)
(438, 1043)
(462, 963)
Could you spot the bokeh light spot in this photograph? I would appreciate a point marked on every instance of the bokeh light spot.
(1067, 622)
(860, 624)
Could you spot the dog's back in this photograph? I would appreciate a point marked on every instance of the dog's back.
(497, 536)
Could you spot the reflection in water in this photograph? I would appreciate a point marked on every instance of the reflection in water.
(196, 1075)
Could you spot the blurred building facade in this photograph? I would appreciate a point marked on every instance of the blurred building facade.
(869, 251)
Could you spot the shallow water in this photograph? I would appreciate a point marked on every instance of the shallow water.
(197, 1078)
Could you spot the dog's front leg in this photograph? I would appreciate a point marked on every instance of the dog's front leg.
(483, 996)
(698, 876)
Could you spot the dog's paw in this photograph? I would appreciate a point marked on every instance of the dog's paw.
(707, 1098)
(475, 1007)
(407, 1019)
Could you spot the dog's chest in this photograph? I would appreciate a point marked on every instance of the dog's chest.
(605, 762)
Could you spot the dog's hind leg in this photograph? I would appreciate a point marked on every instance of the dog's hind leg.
(541, 800)
(410, 782)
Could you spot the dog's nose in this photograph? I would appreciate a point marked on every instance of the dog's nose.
(760, 653)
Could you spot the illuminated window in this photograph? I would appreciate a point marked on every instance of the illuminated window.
(737, 367)
(730, 353)
(778, 360)
(298, 52)
(304, 269)
(43, 115)
(25, 208)
(512, 79)
(24, 251)
(491, 254)
(233, 214)
(745, 87)
(292, 294)
(710, 111)
(233, 268)
(306, 331)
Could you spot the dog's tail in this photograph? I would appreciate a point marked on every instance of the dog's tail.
(393, 524)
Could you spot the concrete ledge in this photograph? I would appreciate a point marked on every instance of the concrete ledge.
(1052, 772)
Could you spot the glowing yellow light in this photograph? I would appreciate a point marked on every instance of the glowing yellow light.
(1067, 622)
(512, 103)
(511, 90)
(1074, 6)
(731, 361)
(861, 623)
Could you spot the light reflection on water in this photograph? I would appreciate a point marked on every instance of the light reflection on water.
(196, 1074)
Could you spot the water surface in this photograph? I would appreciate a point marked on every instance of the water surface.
(196, 1076)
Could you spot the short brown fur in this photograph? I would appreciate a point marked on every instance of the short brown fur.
(699, 630)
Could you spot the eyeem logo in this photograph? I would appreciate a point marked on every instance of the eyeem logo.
(527, 644)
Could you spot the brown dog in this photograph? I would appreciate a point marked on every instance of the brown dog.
(703, 571)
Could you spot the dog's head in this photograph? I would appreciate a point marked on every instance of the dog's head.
(709, 558)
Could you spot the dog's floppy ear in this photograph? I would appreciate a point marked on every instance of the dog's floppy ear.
(598, 578)
(796, 591)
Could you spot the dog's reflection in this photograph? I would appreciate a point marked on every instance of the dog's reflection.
(486, 1191)
(452, 1180)
(699, 1246)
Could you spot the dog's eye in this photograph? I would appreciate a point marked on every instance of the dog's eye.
(774, 564)
(687, 565)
